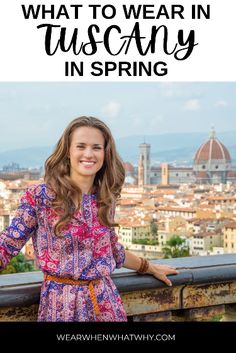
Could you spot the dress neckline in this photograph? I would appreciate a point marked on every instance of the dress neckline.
(88, 195)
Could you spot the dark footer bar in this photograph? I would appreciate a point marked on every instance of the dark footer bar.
(195, 334)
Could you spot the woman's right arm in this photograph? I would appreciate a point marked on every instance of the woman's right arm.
(23, 225)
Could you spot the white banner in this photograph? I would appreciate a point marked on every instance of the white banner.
(90, 40)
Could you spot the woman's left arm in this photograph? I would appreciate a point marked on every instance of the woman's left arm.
(161, 272)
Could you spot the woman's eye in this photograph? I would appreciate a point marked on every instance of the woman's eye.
(81, 147)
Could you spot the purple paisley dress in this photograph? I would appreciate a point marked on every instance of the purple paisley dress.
(87, 251)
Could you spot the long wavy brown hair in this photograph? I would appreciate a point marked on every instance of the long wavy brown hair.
(107, 183)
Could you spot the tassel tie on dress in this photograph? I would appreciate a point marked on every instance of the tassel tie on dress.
(89, 283)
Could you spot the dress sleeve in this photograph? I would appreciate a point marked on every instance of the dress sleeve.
(118, 249)
(23, 225)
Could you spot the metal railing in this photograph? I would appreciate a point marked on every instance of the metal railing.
(204, 289)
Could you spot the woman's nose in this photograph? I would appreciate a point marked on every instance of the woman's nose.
(88, 152)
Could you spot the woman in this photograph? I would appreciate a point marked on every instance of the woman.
(71, 220)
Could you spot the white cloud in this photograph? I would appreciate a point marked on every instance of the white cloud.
(155, 122)
(167, 89)
(179, 90)
(111, 109)
(192, 104)
(136, 121)
(221, 104)
(171, 89)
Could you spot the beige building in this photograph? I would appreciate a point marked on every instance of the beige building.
(169, 211)
(4, 220)
(222, 200)
(165, 174)
(230, 237)
(203, 243)
(163, 237)
(128, 233)
(149, 252)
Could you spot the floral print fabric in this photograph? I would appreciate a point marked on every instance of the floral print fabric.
(86, 251)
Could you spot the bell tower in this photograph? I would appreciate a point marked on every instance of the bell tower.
(144, 154)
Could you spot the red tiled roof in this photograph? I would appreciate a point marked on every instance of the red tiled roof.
(212, 149)
(128, 167)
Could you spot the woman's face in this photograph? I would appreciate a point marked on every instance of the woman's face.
(86, 152)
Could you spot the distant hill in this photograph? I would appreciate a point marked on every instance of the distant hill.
(27, 157)
(179, 148)
(173, 148)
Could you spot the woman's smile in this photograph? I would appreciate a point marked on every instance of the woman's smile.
(86, 152)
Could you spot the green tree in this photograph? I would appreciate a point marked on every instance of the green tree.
(140, 241)
(145, 242)
(17, 264)
(152, 242)
(154, 229)
(175, 248)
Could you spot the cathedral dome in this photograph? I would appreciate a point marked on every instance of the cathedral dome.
(212, 150)
(128, 167)
(231, 174)
(201, 175)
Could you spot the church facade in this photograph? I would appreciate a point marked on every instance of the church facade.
(212, 164)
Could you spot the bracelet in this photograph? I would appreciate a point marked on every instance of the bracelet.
(143, 266)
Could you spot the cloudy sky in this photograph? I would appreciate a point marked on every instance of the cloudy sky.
(35, 114)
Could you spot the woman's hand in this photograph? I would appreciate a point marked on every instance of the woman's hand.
(161, 272)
